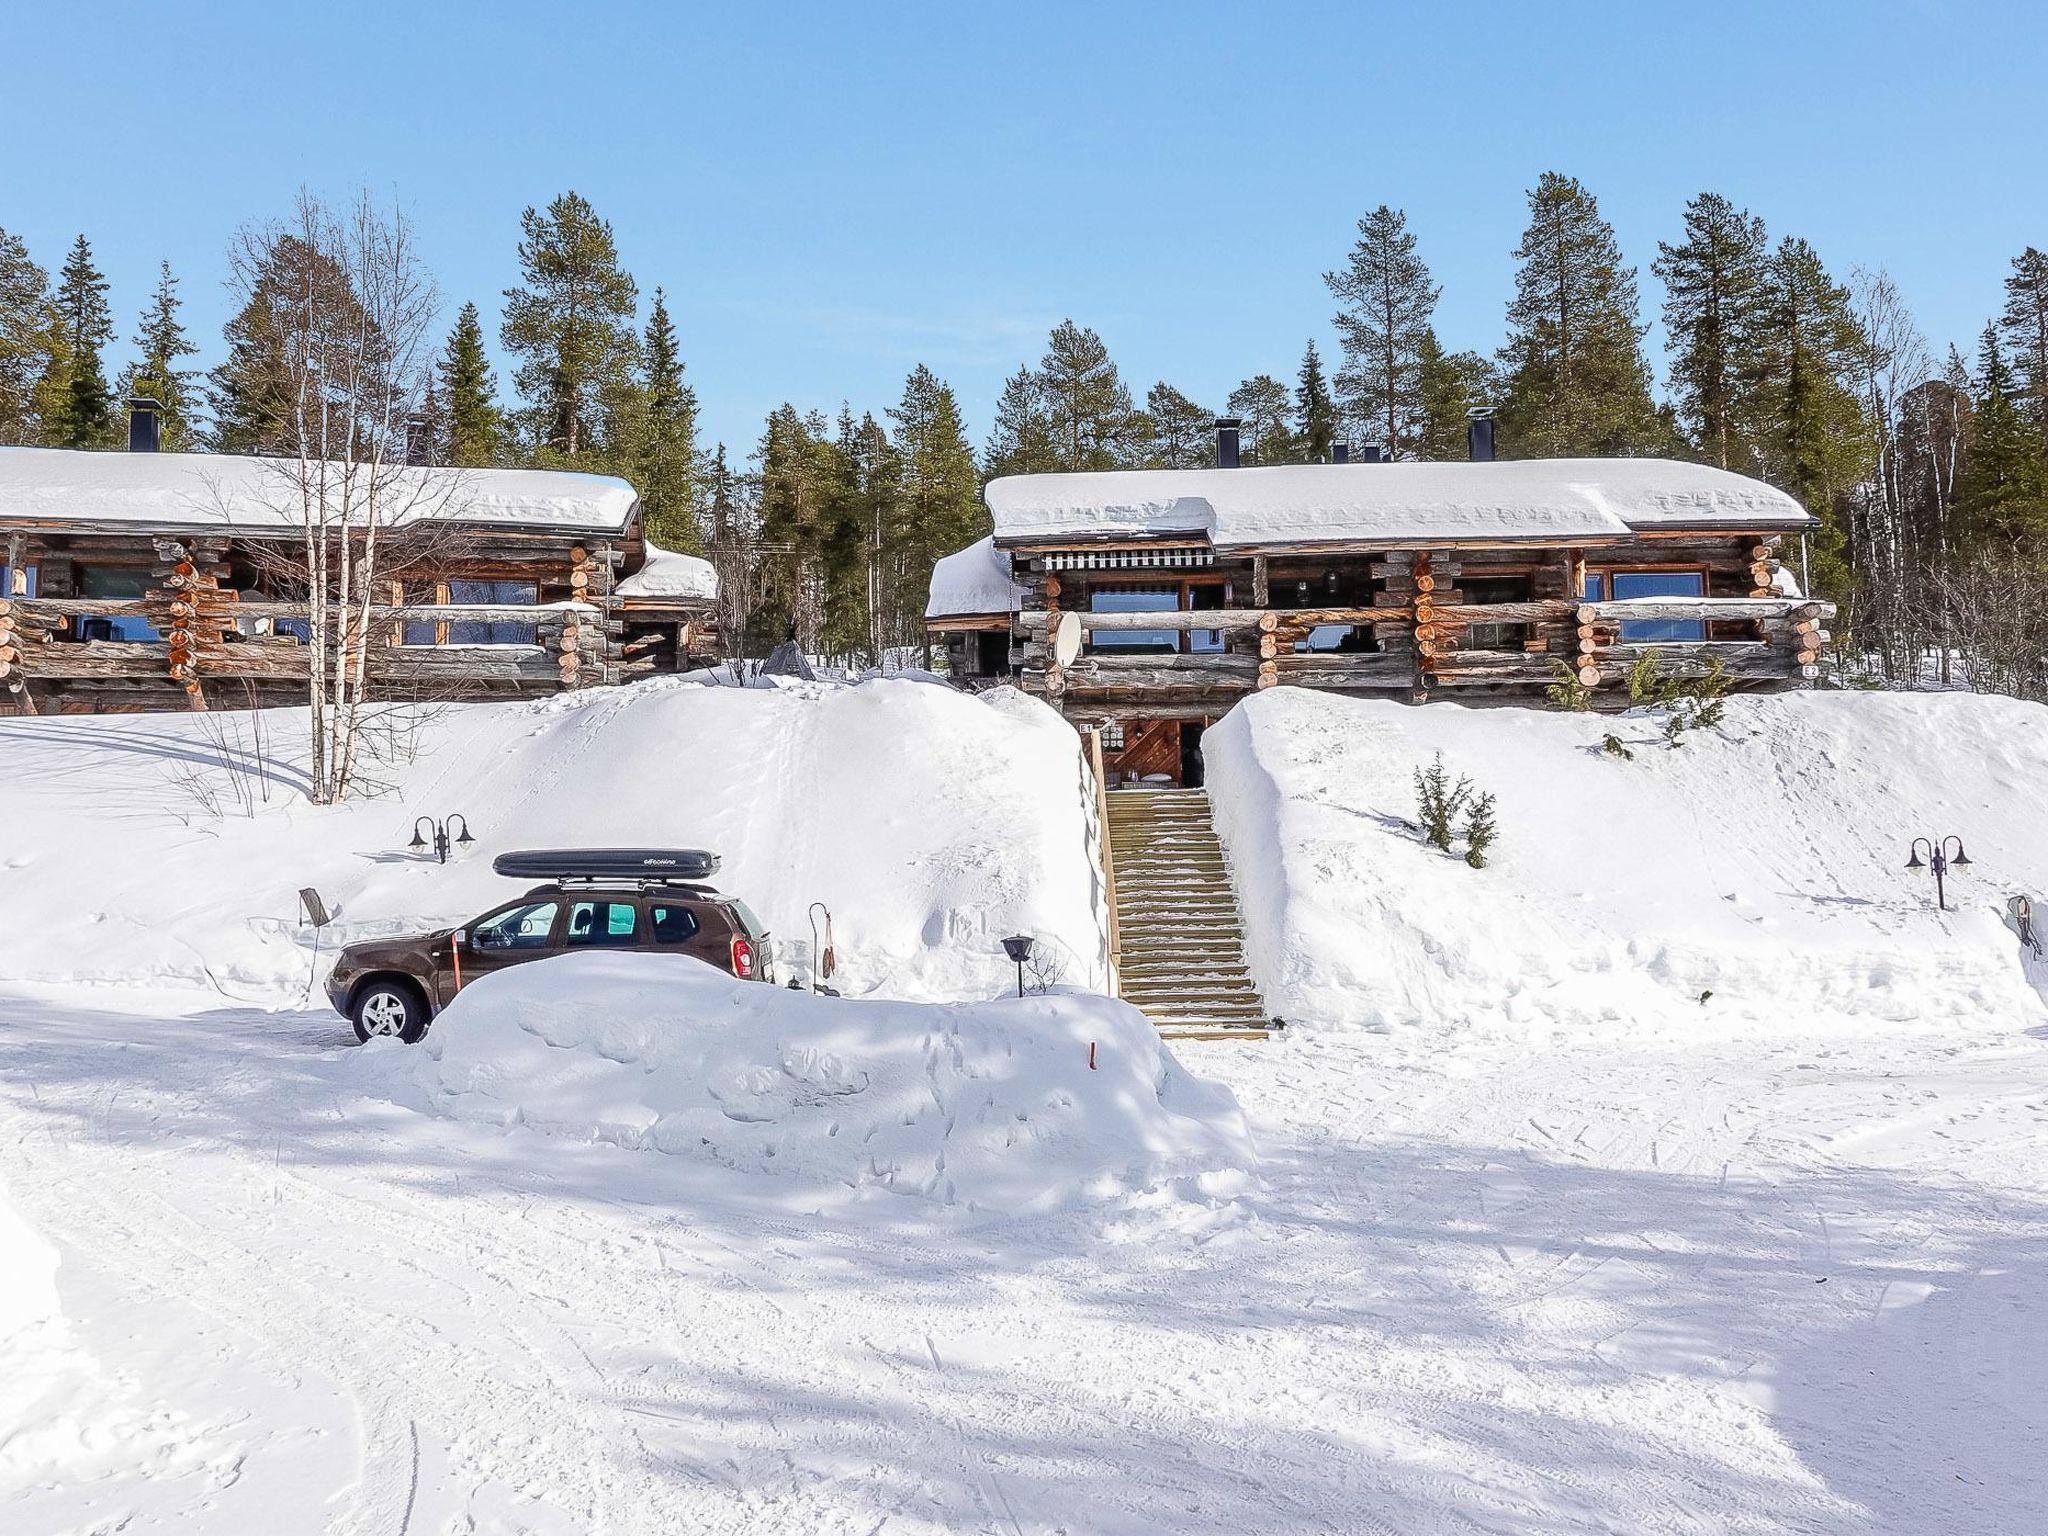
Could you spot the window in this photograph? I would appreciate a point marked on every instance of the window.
(602, 923)
(521, 594)
(17, 581)
(114, 581)
(521, 927)
(1112, 735)
(1205, 641)
(1627, 584)
(672, 924)
(1498, 589)
(1134, 600)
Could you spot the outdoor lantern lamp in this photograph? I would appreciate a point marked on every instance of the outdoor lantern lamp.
(1940, 860)
(1019, 950)
(436, 835)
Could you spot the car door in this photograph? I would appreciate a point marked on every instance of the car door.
(681, 925)
(519, 931)
(601, 921)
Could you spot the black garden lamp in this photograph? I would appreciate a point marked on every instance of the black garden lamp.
(1019, 950)
(1940, 860)
(436, 835)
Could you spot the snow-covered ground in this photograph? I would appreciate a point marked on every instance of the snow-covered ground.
(1495, 1261)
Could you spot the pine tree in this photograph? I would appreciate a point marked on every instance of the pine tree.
(665, 466)
(85, 412)
(160, 338)
(26, 322)
(937, 503)
(1182, 431)
(1085, 401)
(1713, 285)
(1385, 299)
(570, 324)
(1264, 405)
(476, 426)
(1021, 442)
(1576, 379)
(2025, 324)
(249, 394)
(2002, 492)
(802, 474)
(1452, 383)
(1315, 414)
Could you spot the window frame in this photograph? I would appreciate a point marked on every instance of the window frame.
(1632, 629)
(608, 940)
(550, 940)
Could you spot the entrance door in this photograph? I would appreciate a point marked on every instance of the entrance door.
(1191, 753)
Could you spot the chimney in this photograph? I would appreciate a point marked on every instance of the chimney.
(1479, 434)
(1340, 453)
(1372, 453)
(1226, 441)
(419, 443)
(145, 425)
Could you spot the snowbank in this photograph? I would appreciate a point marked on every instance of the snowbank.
(991, 1106)
(1755, 873)
(1553, 500)
(213, 491)
(150, 851)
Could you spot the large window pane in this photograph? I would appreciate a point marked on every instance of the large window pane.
(492, 632)
(1629, 584)
(1146, 600)
(116, 582)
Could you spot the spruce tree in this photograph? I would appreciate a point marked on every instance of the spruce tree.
(802, 476)
(1575, 377)
(85, 409)
(1086, 404)
(26, 323)
(1021, 442)
(2002, 492)
(476, 426)
(1315, 414)
(1264, 405)
(161, 340)
(1713, 285)
(2025, 324)
(665, 467)
(1385, 299)
(1183, 433)
(937, 497)
(570, 324)
(1452, 383)
(250, 393)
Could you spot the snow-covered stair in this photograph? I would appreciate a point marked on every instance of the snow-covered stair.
(1183, 951)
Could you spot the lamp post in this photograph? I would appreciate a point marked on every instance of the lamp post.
(437, 831)
(1940, 860)
(1019, 950)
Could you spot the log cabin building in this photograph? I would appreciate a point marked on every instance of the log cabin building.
(1147, 602)
(146, 580)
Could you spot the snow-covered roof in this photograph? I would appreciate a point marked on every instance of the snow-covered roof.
(225, 491)
(1542, 500)
(974, 580)
(669, 574)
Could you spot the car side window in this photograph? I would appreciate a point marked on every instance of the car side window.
(672, 924)
(521, 927)
(601, 923)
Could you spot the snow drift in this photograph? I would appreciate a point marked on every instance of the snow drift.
(1756, 872)
(168, 850)
(989, 1106)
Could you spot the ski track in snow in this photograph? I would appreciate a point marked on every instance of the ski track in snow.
(1756, 1285)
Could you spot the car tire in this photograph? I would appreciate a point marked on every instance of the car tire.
(389, 1009)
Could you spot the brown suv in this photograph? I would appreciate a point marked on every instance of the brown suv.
(595, 898)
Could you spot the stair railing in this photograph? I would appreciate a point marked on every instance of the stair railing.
(1091, 768)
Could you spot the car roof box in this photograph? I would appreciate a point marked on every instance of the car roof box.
(665, 865)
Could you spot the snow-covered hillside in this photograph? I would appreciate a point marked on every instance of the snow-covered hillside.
(168, 850)
(1752, 877)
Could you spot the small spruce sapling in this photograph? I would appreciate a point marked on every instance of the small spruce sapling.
(1438, 802)
(1480, 830)
(1613, 746)
(1567, 692)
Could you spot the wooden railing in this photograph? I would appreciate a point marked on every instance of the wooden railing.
(1422, 645)
(1105, 857)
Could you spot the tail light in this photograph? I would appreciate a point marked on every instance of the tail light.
(743, 957)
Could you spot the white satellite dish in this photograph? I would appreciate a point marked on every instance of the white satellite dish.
(1066, 639)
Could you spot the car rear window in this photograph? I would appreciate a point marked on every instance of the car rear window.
(750, 925)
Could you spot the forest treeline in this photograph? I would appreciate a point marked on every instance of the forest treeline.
(1928, 469)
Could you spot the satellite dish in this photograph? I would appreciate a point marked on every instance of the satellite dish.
(1066, 639)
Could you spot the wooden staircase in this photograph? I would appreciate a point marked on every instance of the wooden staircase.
(1178, 929)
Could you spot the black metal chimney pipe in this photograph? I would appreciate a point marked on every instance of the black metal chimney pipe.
(145, 425)
(1479, 434)
(1340, 453)
(1226, 441)
(419, 444)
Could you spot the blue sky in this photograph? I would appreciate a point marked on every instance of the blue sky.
(831, 194)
